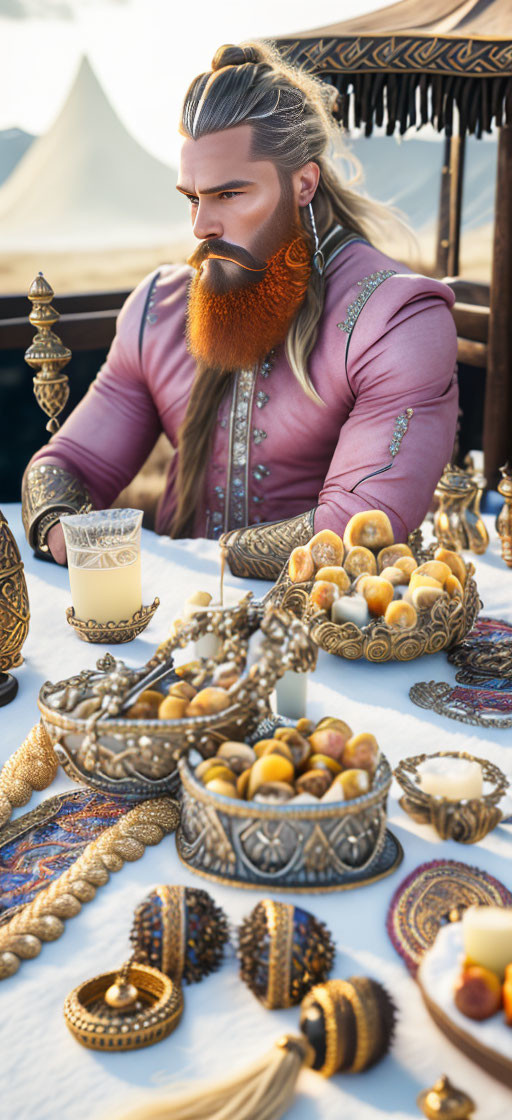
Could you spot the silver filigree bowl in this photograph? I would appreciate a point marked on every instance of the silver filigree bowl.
(107, 750)
(293, 846)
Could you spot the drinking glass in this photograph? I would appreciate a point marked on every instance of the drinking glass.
(103, 549)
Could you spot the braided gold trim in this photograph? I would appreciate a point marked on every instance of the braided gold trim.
(280, 929)
(43, 918)
(173, 931)
(33, 766)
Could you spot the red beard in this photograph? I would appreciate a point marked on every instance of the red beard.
(237, 328)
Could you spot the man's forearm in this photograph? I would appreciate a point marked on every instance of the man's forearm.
(48, 491)
(260, 551)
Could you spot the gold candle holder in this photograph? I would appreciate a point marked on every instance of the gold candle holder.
(457, 521)
(47, 353)
(466, 821)
(504, 518)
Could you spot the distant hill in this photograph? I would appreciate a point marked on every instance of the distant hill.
(14, 142)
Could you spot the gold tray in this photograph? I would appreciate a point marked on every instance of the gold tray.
(445, 623)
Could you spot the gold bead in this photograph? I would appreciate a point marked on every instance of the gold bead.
(66, 906)
(9, 964)
(120, 994)
(26, 946)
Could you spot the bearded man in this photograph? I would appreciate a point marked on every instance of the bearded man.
(301, 374)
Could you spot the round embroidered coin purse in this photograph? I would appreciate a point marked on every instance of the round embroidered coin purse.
(180, 931)
(283, 951)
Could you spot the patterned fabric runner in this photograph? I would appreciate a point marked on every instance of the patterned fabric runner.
(38, 847)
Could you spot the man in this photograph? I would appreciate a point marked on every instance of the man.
(300, 373)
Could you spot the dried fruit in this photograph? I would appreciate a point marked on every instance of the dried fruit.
(395, 576)
(300, 565)
(388, 557)
(335, 575)
(378, 593)
(173, 708)
(424, 597)
(324, 762)
(208, 701)
(406, 564)
(315, 782)
(278, 792)
(361, 753)
(360, 560)
(218, 785)
(182, 689)
(270, 768)
(454, 561)
(435, 568)
(418, 579)
(453, 586)
(326, 549)
(353, 783)
(477, 992)
(370, 528)
(323, 594)
(238, 756)
(330, 741)
(401, 615)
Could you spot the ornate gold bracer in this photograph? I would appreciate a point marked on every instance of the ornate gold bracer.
(260, 551)
(47, 492)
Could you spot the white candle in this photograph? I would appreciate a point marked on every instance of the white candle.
(350, 608)
(291, 694)
(487, 936)
(456, 779)
(209, 644)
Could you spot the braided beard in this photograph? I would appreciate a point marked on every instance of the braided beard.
(237, 328)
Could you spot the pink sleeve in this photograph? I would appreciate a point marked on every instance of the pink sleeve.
(400, 367)
(112, 430)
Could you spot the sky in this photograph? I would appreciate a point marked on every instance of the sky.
(145, 53)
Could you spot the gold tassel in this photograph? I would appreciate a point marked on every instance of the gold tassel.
(262, 1091)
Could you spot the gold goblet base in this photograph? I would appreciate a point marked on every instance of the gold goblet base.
(125, 631)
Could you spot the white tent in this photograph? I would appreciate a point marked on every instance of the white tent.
(88, 184)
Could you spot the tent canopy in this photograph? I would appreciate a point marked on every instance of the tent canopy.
(455, 53)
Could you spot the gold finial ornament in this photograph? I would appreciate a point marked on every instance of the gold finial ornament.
(47, 354)
(457, 521)
(504, 518)
(444, 1102)
(14, 610)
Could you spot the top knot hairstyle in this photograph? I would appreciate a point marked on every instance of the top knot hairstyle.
(291, 114)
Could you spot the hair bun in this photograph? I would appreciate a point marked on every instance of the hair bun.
(231, 55)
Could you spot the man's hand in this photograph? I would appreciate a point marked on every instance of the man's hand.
(56, 543)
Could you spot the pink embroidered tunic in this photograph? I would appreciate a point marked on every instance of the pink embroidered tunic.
(383, 364)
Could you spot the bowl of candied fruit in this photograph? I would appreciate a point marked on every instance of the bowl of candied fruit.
(297, 807)
(367, 595)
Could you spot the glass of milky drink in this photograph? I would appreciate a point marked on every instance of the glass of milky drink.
(103, 549)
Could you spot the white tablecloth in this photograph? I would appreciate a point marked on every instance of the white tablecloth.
(48, 1076)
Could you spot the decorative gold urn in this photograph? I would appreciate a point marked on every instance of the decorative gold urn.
(504, 518)
(14, 609)
(457, 521)
(445, 1101)
(47, 353)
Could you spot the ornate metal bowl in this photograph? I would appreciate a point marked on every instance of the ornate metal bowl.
(466, 821)
(138, 758)
(446, 622)
(299, 847)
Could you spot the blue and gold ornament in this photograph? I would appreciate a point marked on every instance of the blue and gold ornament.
(180, 931)
(283, 952)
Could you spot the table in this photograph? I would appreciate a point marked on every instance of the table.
(49, 1075)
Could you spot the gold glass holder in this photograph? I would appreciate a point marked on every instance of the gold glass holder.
(457, 521)
(466, 821)
(504, 518)
(115, 632)
(47, 354)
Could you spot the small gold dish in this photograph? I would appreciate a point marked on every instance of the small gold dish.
(466, 821)
(115, 632)
(100, 1021)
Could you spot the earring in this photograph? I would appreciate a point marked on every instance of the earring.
(318, 256)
